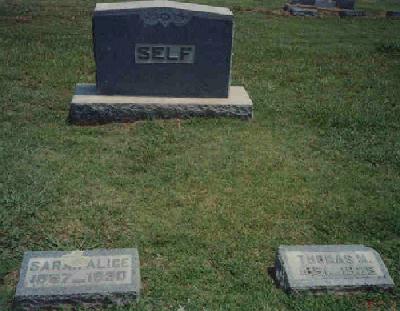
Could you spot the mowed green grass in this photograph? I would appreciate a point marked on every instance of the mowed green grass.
(207, 202)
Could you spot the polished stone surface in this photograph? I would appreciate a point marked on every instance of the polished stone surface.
(331, 268)
(88, 278)
(162, 48)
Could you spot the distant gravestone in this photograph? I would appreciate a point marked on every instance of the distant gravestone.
(89, 278)
(393, 14)
(331, 268)
(298, 11)
(352, 13)
(302, 2)
(325, 3)
(345, 4)
(151, 54)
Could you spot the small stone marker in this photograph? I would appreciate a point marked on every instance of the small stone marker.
(89, 278)
(330, 268)
(395, 14)
(298, 11)
(160, 59)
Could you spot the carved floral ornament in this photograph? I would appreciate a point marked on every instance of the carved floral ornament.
(165, 17)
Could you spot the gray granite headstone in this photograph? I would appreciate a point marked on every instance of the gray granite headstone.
(331, 268)
(162, 48)
(89, 278)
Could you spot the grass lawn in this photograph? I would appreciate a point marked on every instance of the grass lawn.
(207, 202)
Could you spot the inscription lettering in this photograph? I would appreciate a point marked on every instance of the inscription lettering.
(159, 54)
(95, 270)
(329, 264)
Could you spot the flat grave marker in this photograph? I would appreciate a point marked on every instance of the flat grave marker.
(331, 268)
(90, 278)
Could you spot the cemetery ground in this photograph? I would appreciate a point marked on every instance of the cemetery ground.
(207, 202)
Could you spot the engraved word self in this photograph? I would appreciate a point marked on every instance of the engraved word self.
(159, 53)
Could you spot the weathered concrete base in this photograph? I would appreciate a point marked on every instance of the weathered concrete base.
(88, 107)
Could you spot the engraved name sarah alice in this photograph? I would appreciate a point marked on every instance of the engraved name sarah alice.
(49, 272)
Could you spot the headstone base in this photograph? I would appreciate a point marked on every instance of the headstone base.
(88, 107)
